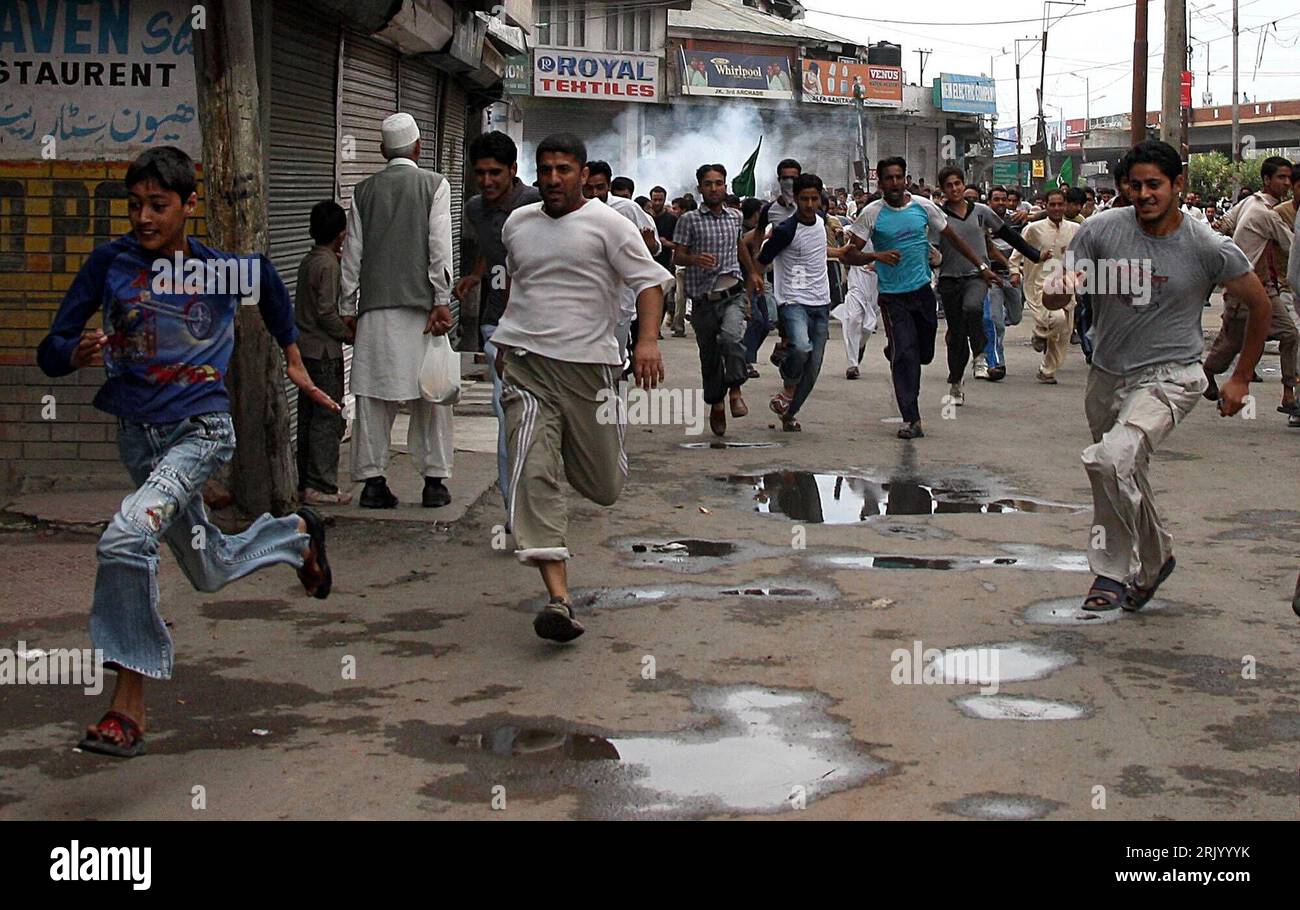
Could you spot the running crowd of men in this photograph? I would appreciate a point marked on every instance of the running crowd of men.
(571, 275)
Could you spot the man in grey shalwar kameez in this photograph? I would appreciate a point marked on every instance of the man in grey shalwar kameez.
(396, 281)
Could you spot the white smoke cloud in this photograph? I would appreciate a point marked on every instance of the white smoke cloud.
(678, 139)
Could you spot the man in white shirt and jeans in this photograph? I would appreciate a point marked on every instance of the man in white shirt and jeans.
(559, 360)
(796, 249)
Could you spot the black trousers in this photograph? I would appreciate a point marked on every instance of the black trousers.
(720, 335)
(320, 431)
(963, 310)
(913, 323)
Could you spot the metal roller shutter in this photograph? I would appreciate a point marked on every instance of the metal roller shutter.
(301, 142)
(368, 77)
(419, 93)
(369, 94)
(592, 122)
(455, 116)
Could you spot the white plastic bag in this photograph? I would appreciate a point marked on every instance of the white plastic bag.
(440, 372)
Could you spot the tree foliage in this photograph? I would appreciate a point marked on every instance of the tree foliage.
(1211, 174)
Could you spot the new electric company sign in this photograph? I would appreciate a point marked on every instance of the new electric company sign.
(606, 77)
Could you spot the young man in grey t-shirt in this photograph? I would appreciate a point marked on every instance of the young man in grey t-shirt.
(1146, 271)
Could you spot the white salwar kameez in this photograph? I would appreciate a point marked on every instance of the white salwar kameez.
(387, 355)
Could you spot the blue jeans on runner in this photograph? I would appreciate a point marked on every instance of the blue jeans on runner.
(806, 331)
(761, 319)
(502, 461)
(171, 462)
(1002, 307)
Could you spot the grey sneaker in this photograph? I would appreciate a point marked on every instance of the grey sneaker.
(981, 367)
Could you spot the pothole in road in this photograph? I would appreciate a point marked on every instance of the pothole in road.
(765, 751)
(1002, 806)
(1018, 707)
(680, 549)
(691, 555)
(1026, 556)
(1000, 663)
(1068, 612)
(780, 590)
(833, 498)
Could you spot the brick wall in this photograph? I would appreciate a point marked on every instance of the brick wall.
(52, 214)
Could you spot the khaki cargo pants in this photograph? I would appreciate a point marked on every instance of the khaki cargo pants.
(1130, 416)
(562, 419)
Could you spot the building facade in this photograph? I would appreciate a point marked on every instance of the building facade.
(114, 80)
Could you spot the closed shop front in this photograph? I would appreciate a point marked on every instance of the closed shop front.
(302, 140)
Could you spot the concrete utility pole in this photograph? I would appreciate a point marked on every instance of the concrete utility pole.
(262, 472)
(1138, 124)
(1174, 63)
(1236, 109)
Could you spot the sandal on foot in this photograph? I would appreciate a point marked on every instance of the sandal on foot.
(911, 430)
(790, 425)
(1105, 594)
(556, 622)
(1135, 597)
(116, 735)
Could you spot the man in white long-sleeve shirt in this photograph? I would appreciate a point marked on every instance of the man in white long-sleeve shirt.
(559, 360)
(396, 281)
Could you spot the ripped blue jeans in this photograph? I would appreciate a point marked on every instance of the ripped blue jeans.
(171, 462)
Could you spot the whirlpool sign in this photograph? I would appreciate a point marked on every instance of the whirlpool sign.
(606, 77)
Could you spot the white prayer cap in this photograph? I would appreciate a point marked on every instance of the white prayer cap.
(399, 130)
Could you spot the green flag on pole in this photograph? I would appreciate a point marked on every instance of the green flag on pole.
(743, 183)
(1066, 177)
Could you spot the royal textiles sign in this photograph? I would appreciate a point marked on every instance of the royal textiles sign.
(606, 77)
(736, 75)
(839, 82)
(96, 80)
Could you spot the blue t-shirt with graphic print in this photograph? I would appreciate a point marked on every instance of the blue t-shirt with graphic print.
(169, 346)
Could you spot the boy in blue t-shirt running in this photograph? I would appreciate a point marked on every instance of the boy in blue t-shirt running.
(168, 304)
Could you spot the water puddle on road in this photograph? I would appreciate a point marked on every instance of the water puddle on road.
(1005, 662)
(1026, 556)
(724, 444)
(1018, 707)
(777, 590)
(1001, 806)
(685, 549)
(768, 750)
(829, 498)
(1068, 612)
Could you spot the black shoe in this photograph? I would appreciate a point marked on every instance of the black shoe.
(376, 495)
(1295, 599)
(317, 583)
(910, 431)
(435, 494)
(997, 374)
(1293, 420)
(556, 622)
(751, 371)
